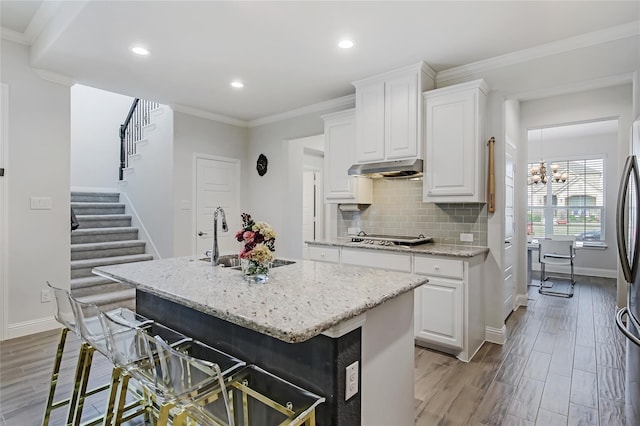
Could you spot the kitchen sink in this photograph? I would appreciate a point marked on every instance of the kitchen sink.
(232, 261)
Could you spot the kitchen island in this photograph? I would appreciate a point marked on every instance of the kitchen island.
(306, 325)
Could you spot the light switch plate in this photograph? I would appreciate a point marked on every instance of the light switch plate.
(40, 203)
(466, 237)
(351, 380)
(185, 204)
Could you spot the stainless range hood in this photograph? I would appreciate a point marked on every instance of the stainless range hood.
(388, 169)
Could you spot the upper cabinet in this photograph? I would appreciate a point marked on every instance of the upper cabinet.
(455, 142)
(339, 155)
(388, 114)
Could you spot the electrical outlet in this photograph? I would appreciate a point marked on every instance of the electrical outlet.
(466, 237)
(351, 381)
(45, 296)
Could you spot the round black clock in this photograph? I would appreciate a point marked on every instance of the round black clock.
(261, 164)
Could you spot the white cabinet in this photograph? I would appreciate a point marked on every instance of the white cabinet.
(388, 114)
(377, 259)
(339, 136)
(440, 303)
(449, 309)
(454, 143)
(324, 253)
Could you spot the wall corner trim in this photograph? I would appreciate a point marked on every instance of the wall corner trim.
(496, 335)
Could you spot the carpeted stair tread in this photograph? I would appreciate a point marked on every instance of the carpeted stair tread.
(111, 297)
(106, 245)
(106, 230)
(102, 216)
(95, 197)
(104, 261)
(89, 282)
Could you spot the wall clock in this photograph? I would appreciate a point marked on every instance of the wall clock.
(261, 164)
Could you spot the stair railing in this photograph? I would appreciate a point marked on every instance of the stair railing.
(131, 130)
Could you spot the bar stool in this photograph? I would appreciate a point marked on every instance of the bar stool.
(90, 324)
(65, 315)
(259, 398)
(170, 376)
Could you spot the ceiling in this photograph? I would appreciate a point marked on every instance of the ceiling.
(285, 52)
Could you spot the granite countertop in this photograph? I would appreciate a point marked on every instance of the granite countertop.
(299, 302)
(428, 248)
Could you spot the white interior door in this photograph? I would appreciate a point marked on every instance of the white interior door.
(4, 133)
(217, 184)
(509, 290)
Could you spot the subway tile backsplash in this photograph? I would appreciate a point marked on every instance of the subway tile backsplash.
(398, 209)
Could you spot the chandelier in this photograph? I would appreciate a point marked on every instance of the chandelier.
(539, 174)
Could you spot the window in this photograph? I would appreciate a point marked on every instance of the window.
(575, 207)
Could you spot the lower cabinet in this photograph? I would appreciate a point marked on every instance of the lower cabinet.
(324, 253)
(438, 312)
(448, 310)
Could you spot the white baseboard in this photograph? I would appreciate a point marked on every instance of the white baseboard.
(496, 335)
(589, 272)
(26, 328)
(522, 300)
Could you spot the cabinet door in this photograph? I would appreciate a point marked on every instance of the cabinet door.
(440, 312)
(401, 117)
(454, 147)
(370, 123)
(339, 134)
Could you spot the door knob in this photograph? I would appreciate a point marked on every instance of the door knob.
(200, 233)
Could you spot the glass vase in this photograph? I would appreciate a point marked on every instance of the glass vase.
(254, 271)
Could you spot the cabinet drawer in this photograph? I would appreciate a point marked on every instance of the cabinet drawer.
(324, 254)
(377, 259)
(439, 267)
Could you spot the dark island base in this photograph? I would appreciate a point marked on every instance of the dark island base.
(317, 365)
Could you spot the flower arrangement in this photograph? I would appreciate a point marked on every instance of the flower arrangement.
(259, 240)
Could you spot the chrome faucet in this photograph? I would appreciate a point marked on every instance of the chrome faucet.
(215, 252)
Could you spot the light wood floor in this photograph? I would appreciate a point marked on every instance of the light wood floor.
(563, 364)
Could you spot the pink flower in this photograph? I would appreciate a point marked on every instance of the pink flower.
(239, 235)
(244, 253)
(249, 236)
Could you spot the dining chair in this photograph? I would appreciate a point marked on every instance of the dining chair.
(558, 251)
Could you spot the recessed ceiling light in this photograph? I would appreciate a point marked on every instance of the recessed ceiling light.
(345, 44)
(139, 50)
(237, 84)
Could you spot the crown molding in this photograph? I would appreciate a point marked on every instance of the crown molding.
(40, 19)
(582, 86)
(209, 115)
(54, 77)
(585, 40)
(348, 101)
(14, 36)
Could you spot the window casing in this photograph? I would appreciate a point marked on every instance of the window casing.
(575, 207)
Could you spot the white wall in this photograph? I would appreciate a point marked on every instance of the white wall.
(588, 261)
(297, 162)
(272, 198)
(199, 135)
(96, 116)
(148, 184)
(38, 165)
(611, 102)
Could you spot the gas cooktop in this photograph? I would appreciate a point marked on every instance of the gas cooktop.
(389, 240)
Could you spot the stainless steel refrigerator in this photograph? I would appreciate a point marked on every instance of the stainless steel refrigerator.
(628, 318)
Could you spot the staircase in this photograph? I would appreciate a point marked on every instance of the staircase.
(105, 237)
